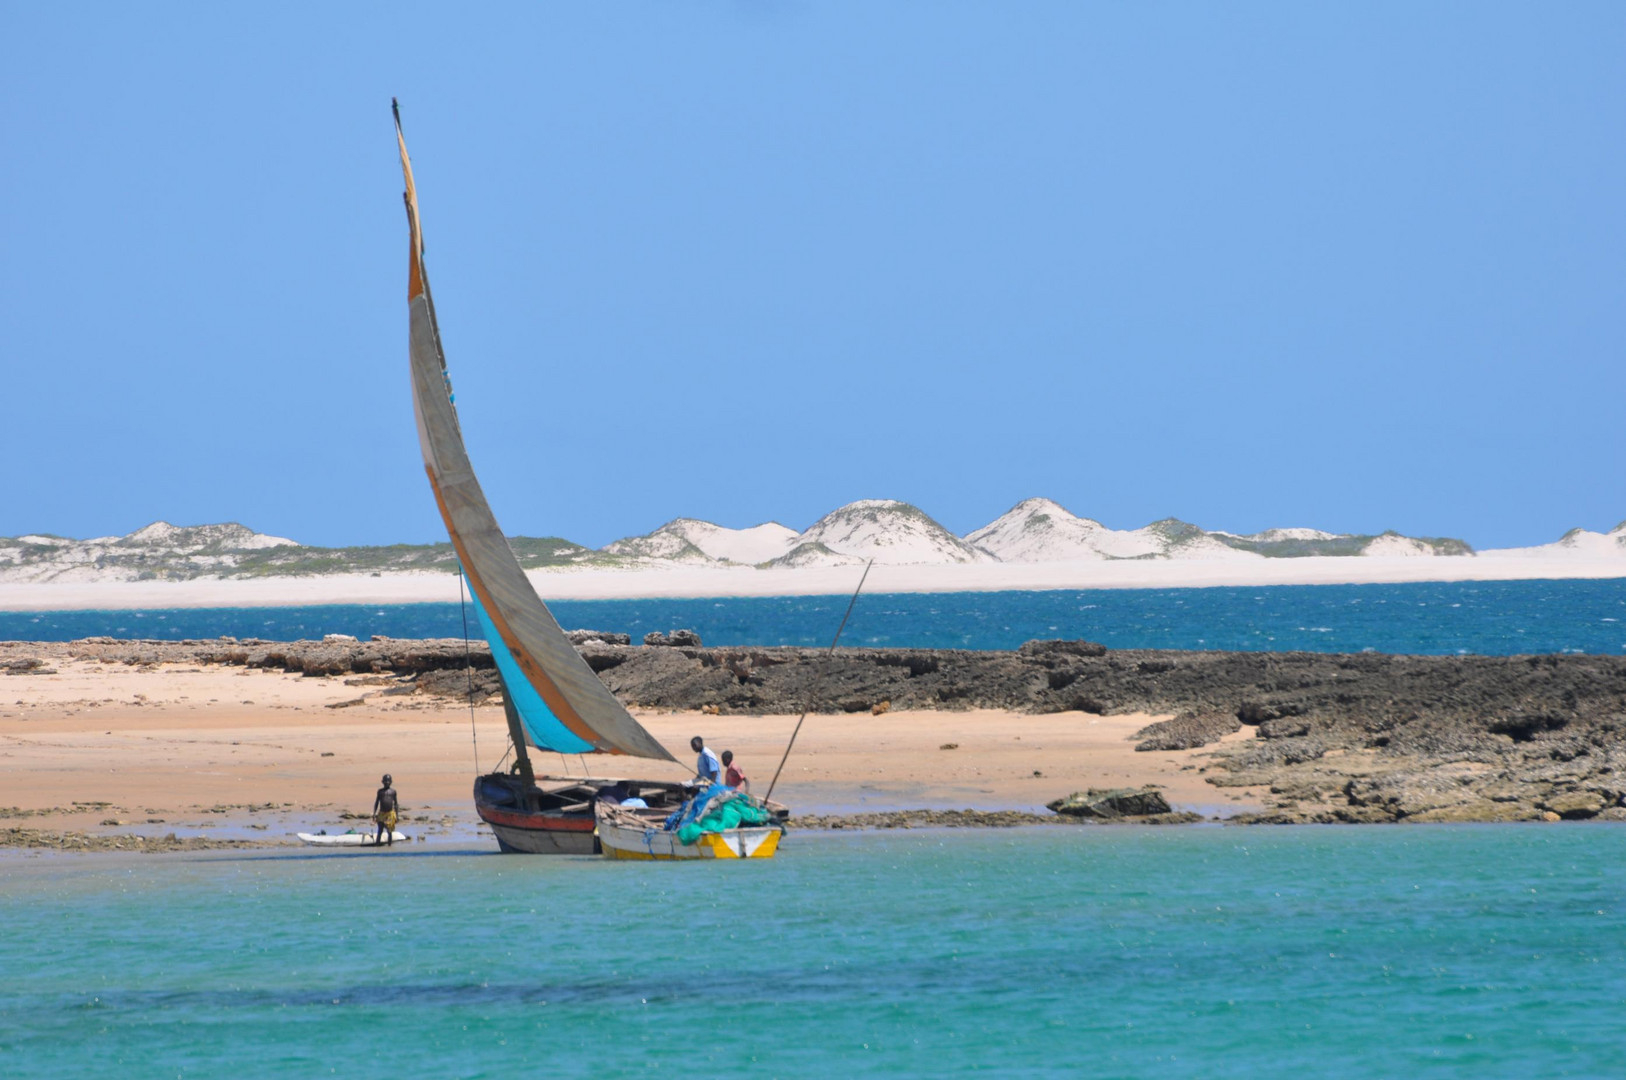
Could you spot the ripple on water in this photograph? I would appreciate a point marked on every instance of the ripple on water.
(1483, 950)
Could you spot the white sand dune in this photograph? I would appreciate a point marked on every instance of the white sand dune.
(1038, 544)
(695, 581)
(692, 540)
(1401, 547)
(888, 531)
(1580, 544)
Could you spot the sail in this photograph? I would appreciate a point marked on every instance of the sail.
(563, 705)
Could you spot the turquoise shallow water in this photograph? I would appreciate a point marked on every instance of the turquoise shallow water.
(1485, 951)
(1495, 618)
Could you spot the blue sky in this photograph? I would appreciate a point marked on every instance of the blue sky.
(1353, 266)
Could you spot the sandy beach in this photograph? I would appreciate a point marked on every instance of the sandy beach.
(223, 752)
(597, 584)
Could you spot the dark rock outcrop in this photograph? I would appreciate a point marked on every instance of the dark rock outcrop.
(582, 637)
(928, 819)
(1054, 649)
(677, 638)
(1111, 803)
(970, 819)
(1186, 731)
(79, 841)
(28, 665)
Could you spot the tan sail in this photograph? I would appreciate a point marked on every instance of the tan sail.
(563, 704)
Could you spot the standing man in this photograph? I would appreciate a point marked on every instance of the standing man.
(385, 811)
(708, 767)
(733, 776)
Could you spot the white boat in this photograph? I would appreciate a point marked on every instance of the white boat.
(347, 839)
(628, 834)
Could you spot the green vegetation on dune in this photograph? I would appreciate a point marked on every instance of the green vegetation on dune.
(1446, 545)
(162, 562)
(1335, 545)
(1293, 549)
(533, 552)
(316, 561)
(1174, 530)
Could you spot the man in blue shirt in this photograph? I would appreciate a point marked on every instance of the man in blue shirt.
(708, 767)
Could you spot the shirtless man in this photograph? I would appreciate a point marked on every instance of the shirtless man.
(385, 811)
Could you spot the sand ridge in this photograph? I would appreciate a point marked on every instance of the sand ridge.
(688, 581)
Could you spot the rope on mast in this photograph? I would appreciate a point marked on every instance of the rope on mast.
(831, 652)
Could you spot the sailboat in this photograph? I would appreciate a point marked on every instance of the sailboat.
(552, 700)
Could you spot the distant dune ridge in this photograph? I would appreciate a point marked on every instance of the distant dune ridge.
(159, 550)
(1034, 531)
(688, 540)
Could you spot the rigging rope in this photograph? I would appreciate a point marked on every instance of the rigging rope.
(831, 652)
(468, 667)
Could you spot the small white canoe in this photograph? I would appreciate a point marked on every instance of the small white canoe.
(623, 834)
(349, 839)
(621, 842)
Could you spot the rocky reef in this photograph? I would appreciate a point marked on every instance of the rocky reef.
(1335, 738)
(1142, 805)
(83, 841)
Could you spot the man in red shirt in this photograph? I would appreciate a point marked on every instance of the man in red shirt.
(732, 776)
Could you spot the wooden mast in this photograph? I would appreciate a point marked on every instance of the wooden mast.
(516, 732)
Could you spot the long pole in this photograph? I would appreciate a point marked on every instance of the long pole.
(798, 729)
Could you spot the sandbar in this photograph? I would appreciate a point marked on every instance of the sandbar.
(217, 751)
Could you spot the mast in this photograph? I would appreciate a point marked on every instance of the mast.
(516, 732)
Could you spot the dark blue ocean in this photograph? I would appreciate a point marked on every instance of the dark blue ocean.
(1487, 618)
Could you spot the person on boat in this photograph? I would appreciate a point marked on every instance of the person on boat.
(386, 807)
(708, 768)
(733, 776)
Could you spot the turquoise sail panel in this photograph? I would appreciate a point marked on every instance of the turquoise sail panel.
(543, 728)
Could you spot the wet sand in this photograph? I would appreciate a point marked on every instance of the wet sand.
(233, 753)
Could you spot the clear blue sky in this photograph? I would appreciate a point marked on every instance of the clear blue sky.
(1356, 266)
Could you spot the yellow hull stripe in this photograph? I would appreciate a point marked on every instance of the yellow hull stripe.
(709, 845)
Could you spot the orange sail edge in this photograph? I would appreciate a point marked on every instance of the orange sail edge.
(415, 279)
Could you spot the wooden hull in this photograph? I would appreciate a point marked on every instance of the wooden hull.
(524, 828)
(625, 842)
(541, 834)
(554, 819)
(556, 816)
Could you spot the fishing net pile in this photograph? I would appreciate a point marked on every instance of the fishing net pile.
(716, 809)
